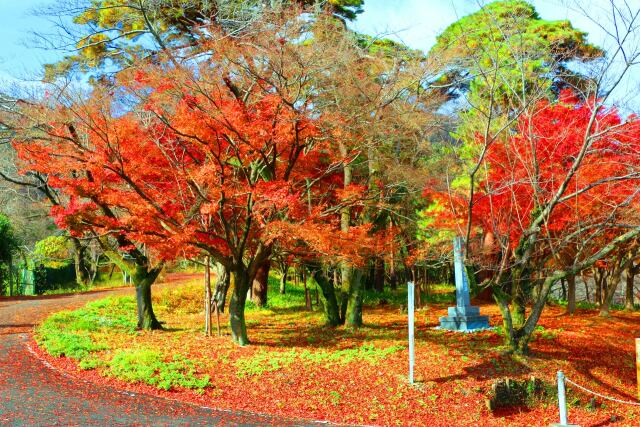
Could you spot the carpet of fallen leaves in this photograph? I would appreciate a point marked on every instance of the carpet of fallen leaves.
(289, 370)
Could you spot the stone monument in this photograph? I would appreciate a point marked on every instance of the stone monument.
(463, 317)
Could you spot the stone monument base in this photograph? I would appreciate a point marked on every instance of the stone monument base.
(464, 319)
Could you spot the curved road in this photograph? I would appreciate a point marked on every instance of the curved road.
(32, 394)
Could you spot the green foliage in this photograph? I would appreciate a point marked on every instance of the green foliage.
(264, 361)
(395, 297)
(8, 240)
(439, 293)
(547, 334)
(150, 367)
(89, 363)
(427, 232)
(347, 9)
(503, 51)
(387, 47)
(52, 252)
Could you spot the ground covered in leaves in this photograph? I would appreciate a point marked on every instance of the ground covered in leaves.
(297, 368)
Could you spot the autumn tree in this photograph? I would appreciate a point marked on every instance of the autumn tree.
(40, 124)
(28, 196)
(106, 36)
(567, 179)
(497, 63)
(214, 156)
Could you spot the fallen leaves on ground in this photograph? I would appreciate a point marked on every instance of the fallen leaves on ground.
(297, 368)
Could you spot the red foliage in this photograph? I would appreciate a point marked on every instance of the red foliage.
(206, 170)
(528, 169)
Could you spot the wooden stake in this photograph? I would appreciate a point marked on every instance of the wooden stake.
(638, 364)
(217, 317)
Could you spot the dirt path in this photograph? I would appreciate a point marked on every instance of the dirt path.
(32, 394)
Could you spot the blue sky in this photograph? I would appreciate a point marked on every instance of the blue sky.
(415, 22)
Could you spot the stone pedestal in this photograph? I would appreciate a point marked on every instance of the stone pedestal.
(463, 317)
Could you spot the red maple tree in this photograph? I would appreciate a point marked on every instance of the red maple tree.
(557, 195)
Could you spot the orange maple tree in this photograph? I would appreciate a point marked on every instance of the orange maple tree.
(192, 166)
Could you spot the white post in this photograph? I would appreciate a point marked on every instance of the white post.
(410, 306)
(562, 400)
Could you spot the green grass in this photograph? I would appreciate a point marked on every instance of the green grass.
(438, 293)
(586, 305)
(151, 367)
(69, 333)
(81, 334)
(293, 298)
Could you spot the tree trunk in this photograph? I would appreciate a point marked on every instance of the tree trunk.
(283, 279)
(207, 297)
(571, 293)
(378, 281)
(241, 285)
(586, 288)
(517, 338)
(82, 272)
(518, 309)
(146, 317)
(503, 304)
(353, 281)
(630, 276)
(10, 276)
(261, 283)
(329, 300)
(344, 304)
(598, 277)
(609, 291)
(223, 282)
(393, 277)
(351, 309)
(307, 294)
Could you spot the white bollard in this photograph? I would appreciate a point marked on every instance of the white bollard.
(562, 403)
(410, 309)
(562, 399)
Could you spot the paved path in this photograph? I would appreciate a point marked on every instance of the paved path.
(32, 394)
